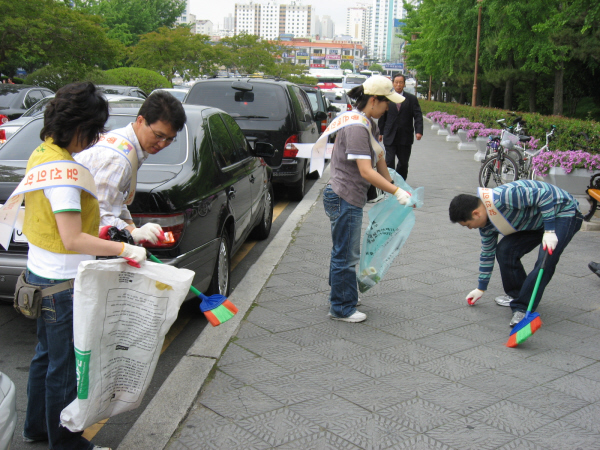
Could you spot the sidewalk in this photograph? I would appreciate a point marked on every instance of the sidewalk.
(423, 371)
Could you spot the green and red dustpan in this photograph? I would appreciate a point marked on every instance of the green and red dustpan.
(532, 320)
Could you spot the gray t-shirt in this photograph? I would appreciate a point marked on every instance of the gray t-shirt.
(352, 142)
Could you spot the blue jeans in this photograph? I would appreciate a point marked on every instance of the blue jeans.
(346, 224)
(52, 381)
(511, 249)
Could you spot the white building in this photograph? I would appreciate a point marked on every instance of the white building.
(184, 18)
(359, 24)
(296, 19)
(247, 17)
(269, 21)
(229, 23)
(327, 28)
(203, 27)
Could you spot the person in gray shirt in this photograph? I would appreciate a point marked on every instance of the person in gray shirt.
(357, 161)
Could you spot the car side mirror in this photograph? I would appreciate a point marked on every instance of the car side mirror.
(264, 150)
(320, 116)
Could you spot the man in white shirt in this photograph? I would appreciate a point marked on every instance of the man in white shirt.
(116, 158)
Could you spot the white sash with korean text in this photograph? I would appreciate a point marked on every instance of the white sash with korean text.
(123, 145)
(47, 175)
(498, 220)
(318, 151)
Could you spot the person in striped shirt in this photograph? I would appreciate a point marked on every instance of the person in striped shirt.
(529, 214)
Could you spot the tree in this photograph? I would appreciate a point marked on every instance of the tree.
(247, 53)
(177, 50)
(127, 20)
(376, 68)
(37, 32)
(346, 65)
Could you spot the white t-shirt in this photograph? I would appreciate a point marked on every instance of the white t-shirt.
(57, 266)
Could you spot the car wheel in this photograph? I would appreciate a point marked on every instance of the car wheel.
(297, 191)
(263, 229)
(221, 275)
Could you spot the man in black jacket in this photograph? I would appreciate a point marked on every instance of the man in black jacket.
(398, 125)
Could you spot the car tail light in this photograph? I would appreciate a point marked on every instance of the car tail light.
(348, 107)
(2, 136)
(174, 223)
(3, 118)
(323, 125)
(290, 150)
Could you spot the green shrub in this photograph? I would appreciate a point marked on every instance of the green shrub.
(54, 78)
(145, 79)
(569, 131)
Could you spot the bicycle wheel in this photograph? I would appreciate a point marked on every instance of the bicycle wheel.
(497, 170)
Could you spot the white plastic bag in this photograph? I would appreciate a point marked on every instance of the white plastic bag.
(120, 317)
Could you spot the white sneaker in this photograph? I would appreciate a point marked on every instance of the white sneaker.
(97, 447)
(516, 318)
(354, 318)
(504, 300)
(358, 303)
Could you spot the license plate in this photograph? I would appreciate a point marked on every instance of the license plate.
(18, 236)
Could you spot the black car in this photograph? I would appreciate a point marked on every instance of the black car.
(131, 91)
(15, 99)
(209, 188)
(319, 102)
(269, 110)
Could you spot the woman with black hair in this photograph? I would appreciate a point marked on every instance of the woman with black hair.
(357, 161)
(61, 224)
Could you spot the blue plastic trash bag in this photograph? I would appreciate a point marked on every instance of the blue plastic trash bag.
(390, 224)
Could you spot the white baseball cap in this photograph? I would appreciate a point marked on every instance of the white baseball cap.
(380, 85)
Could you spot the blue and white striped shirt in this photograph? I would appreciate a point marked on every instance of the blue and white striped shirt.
(527, 205)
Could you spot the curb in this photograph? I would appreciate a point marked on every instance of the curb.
(171, 404)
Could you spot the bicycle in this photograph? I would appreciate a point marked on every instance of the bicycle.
(525, 156)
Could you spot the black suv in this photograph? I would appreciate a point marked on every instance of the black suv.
(267, 110)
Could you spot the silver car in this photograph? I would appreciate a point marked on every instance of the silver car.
(8, 411)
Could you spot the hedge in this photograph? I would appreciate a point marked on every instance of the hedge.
(145, 79)
(569, 131)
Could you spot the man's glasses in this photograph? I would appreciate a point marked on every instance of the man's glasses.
(160, 137)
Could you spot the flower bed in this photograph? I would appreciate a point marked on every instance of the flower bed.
(568, 161)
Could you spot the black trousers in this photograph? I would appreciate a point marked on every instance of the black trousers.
(402, 152)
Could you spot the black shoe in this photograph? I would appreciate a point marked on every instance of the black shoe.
(594, 267)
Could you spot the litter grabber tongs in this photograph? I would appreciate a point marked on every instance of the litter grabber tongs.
(216, 308)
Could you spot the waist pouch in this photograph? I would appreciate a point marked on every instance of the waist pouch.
(28, 298)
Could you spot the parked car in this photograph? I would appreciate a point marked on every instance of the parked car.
(179, 94)
(8, 411)
(209, 188)
(340, 100)
(352, 80)
(270, 110)
(131, 91)
(9, 128)
(15, 99)
(319, 102)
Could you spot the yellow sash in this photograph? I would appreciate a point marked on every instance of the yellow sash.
(498, 220)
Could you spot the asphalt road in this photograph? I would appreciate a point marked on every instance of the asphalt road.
(18, 341)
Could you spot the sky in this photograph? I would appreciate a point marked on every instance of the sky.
(216, 10)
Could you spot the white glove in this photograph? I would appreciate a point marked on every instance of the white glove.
(133, 252)
(149, 232)
(402, 196)
(473, 296)
(549, 241)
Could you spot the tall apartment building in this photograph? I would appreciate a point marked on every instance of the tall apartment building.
(385, 29)
(228, 23)
(247, 18)
(359, 24)
(203, 27)
(327, 28)
(296, 19)
(269, 20)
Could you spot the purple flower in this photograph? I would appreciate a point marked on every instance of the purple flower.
(568, 160)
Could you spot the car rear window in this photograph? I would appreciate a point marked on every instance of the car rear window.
(336, 97)
(355, 80)
(20, 146)
(312, 96)
(264, 101)
(7, 96)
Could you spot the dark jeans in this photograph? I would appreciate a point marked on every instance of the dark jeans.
(403, 154)
(516, 282)
(346, 224)
(52, 381)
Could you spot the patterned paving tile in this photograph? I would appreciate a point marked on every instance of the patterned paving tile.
(254, 370)
(592, 372)
(221, 382)
(501, 384)
(284, 305)
(312, 315)
(469, 434)
(487, 357)
(272, 320)
(413, 353)
(291, 389)
(512, 418)
(375, 363)
(262, 345)
(574, 329)
(585, 418)
(248, 330)
(549, 402)
(449, 345)
(480, 334)
(373, 395)
(341, 329)
(419, 415)
(230, 437)
(297, 360)
(330, 410)
(279, 426)
(410, 330)
(306, 336)
(339, 349)
(334, 377)
(531, 371)
(580, 387)
(452, 368)
(235, 353)
(201, 419)
(320, 441)
(569, 362)
(462, 399)
(374, 432)
(520, 444)
(239, 403)
(415, 382)
(560, 435)
(376, 339)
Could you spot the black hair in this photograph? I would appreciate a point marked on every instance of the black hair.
(164, 107)
(77, 109)
(399, 75)
(358, 94)
(462, 207)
